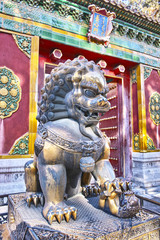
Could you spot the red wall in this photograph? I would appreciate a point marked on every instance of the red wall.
(135, 109)
(18, 123)
(152, 84)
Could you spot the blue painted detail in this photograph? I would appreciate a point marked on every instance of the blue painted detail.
(99, 25)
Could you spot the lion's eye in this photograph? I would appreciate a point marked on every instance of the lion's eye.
(89, 93)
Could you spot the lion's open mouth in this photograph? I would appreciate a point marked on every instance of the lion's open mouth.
(89, 114)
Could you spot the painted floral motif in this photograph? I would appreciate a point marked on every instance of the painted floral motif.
(133, 75)
(150, 143)
(154, 108)
(147, 72)
(136, 142)
(10, 92)
(24, 44)
(20, 146)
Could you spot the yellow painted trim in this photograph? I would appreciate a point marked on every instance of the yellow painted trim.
(33, 92)
(48, 63)
(121, 48)
(56, 30)
(16, 156)
(141, 109)
(42, 25)
(131, 97)
(13, 32)
(115, 77)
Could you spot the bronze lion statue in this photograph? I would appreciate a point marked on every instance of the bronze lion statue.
(70, 148)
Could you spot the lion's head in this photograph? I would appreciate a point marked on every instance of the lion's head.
(75, 89)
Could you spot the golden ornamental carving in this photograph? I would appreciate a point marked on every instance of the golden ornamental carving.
(20, 146)
(10, 92)
(154, 108)
(150, 143)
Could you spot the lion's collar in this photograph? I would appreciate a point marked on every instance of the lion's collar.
(85, 147)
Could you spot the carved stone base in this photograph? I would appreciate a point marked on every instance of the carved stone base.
(146, 169)
(92, 223)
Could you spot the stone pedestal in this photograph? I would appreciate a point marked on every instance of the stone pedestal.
(12, 175)
(92, 223)
(146, 172)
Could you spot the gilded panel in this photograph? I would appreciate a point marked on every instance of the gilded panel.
(10, 92)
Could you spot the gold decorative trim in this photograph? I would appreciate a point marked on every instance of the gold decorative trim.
(10, 92)
(42, 25)
(20, 146)
(154, 108)
(33, 97)
(16, 156)
(141, 109)
(45, 26)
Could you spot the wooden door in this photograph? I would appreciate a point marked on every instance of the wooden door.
(111, 124)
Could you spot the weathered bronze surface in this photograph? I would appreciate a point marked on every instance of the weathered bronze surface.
(70, 147)
(92, 222)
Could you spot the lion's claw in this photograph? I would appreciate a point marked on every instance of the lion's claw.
(74, 212)
(35, 198)
(119, 197)
(60, 213)
(91, 190)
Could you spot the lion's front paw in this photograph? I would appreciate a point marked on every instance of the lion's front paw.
(34, 198)
(59, 212)
(119, 198)
(91, 190)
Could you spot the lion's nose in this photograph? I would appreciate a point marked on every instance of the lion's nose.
(103, 102)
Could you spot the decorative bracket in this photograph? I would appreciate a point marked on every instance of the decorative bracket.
(100, 25)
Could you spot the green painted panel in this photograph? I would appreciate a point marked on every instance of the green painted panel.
(39, 15)
(83, 31)
(12, 25)
(135, 45)
(68, 24)
(84, 44)
(59, 38)
(72, 41)
(48, 34)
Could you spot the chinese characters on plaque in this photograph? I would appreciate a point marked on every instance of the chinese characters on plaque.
(100, 25)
